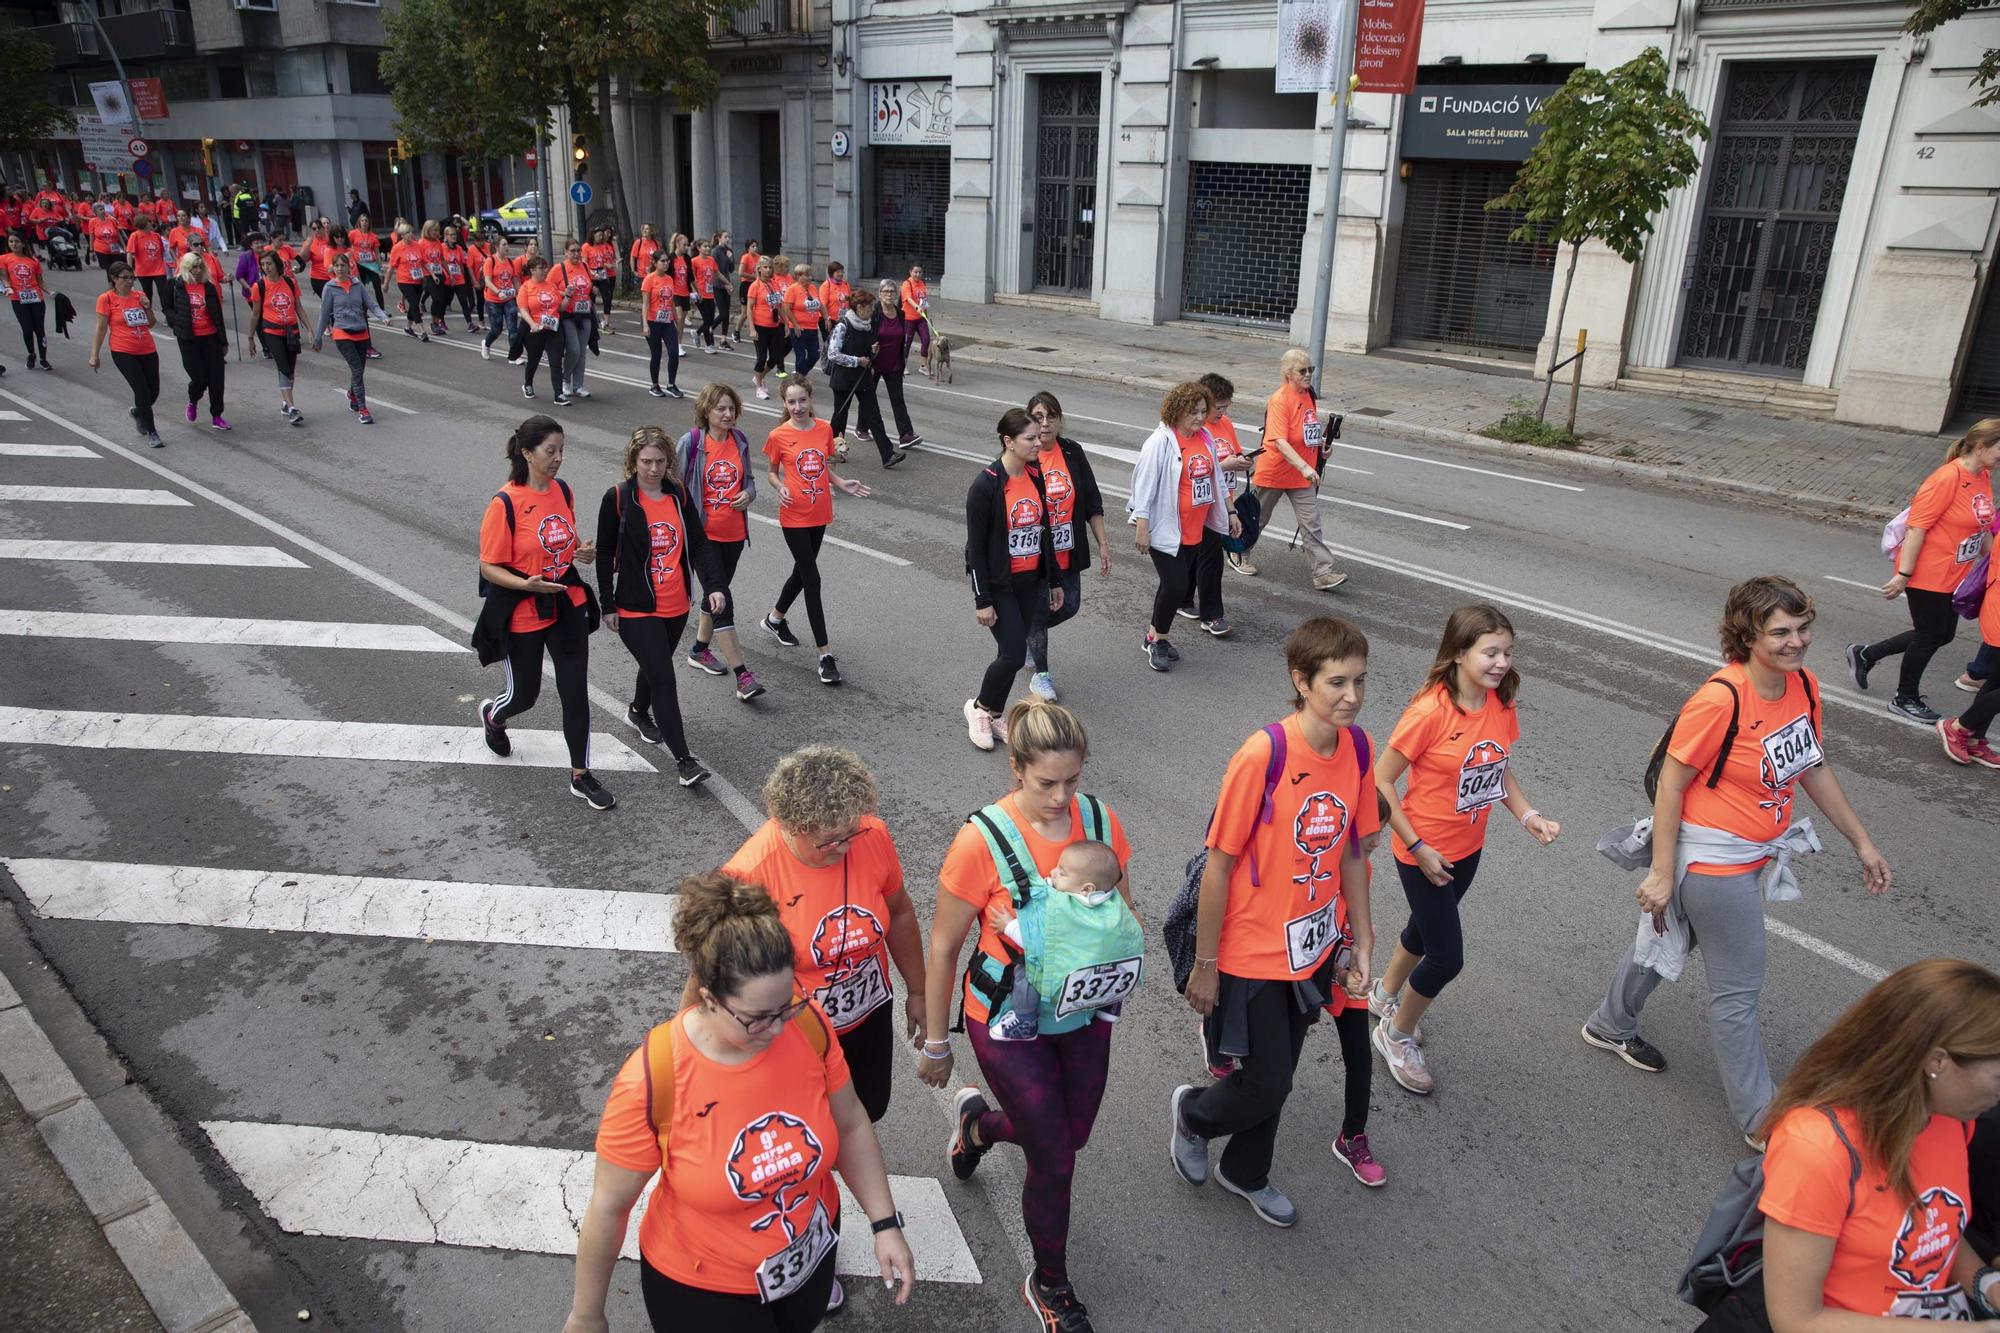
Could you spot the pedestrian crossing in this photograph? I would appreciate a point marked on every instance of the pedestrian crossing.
(88, 495)
(8, 450)
(147, 553)
(225, 630)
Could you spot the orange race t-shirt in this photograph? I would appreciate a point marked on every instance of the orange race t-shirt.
(1289, 415)
(1024, 524)
(366, 247)
(131, 330)
(1954, 508)
(706, 275)
(722, 469)
(680, 272)
(454, 266)
(834, 297)
(1458, 770)
(803, 459)
(1222, 435)
(1890, 1256)
(1989, 607)
(1282, 929)
(541, 305)
(24, 278)
(574, 280)
(916, 297)
(666, 567)
(764, 300)
(1060, 488)
(746, 267)
(969, 875)
(1775, 744)
(104, 236)
(204, 318)
(749, 1157)
(837, 915)
(542, 545)
(148, 253)
(319, 258)
(279, 303)
(601, 260)
(406, 261)
(1196, 494)
(433, 253)
(641, 254)
(502, 277)
(803, 298)
(657, 293)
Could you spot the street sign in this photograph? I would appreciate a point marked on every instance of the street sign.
(530, 158)
(579, 193)
(138, 148)
(106, 147)
(840, 143)
(142, 168)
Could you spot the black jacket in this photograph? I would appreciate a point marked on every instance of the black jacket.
(1088, 503)
(623, 550)
(492, 636)
(180, 315)
(986, 558)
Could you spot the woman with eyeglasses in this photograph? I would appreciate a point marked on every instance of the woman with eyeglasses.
(894, 334)
(1076, 516)
(743, 1105)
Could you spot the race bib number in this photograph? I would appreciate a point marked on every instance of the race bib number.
(548, 323)
(1791, 750)
(812, 304)
(774, 298)
(849, 999)
(1947, 1305)
(1097, 987)
(1307, 938)
(583, 306)
(787, 1270)
(135, 317)
(451, 269)
(436, 270)
(27, 296)
(1481, 781)
(1313, 432)
(1203, 490)
(1968, 550)
(1022, 543)
(1065, 535)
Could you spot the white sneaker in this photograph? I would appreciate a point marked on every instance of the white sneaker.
(978, 726)
(999, 723)
(1405, 1060)
(486, 351)
(1042, 686)
(1384, 1006)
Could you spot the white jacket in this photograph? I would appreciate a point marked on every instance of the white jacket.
(1156, 491)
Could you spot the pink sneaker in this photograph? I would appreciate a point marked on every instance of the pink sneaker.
(1219, 1066)
(1982, 753)
(190, 414)
(763, 392)
(1361, 1161)
(218, 423)
(1957, 741)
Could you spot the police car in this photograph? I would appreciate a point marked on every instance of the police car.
(519, 218)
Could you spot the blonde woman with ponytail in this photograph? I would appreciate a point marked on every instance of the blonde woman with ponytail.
(742, 1104)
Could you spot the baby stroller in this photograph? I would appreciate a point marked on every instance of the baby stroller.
(63, 252)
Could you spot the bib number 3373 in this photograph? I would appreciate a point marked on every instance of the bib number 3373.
(850, 998)
(1098, 986)
(788, 1270)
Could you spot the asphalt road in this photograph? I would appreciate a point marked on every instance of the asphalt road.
(1546, 1185)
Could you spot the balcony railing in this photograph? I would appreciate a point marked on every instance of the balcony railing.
(151, 34)
(763, 18)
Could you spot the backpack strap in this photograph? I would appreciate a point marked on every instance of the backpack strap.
(1096, 822)
(656, 1062)
(1274, 768)
(1729, 734)
(1853, 1157)
(1010, 853)
(1812, 699)
(1364, 760)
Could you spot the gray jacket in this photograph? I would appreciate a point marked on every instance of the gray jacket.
(347, 309)
(1156, 490)
(689, 460)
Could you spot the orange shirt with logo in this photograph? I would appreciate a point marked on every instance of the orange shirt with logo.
(837, 915)
(1955, 509)
(1775, 744)
(764, 301)
(601, 260)
(454, 258)
(706, 275)
(748, 1160)
(1196, 495)
(1059, 486)
(574, 279)
(541, 305)
(1222, 434)
(131, 329)
(104, 236)
(433, 253)
(502, 278)
(204, 318)
(278, 304)
(746, 267)
(319, 258)
(804, 301)
(1024, 524)
(542, 545)
(916, 295)
(722, 469)
(1290, 415)
(804, 458)
(406, 261)
(834, 297)
(1458, 770)
(24, 277)
(148, 253)
(666, 566)
(657, 295)
(642, 253)
(969, 875)
(1283, 928)
(1889, 1253)
(366, 247)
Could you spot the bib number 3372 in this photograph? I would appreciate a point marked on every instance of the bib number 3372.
(849, 999)
(789, 1269)
(1098, 987)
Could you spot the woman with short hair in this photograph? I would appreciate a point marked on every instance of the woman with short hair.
(1178, 505)
(345, 307)
(274, 310)
(194, 312)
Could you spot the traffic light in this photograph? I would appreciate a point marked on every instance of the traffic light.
(579, 153)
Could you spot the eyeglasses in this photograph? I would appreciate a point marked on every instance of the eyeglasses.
(828, 844)
(765, 1022)
(1043, 417)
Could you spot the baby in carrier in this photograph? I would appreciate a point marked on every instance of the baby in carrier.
(1086, 871)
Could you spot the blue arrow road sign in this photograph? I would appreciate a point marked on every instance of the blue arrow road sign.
(579, 193)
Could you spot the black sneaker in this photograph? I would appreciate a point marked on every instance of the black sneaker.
(895, 456)
(1187, 612)
(1634, 1051)
(656, 392)
(747, 685)
(642, 724)
(674, 391)
(1156, 655)
(560, 401)
(1858, 664)
(496, 735)
(691, 772)
(527, 391)
(829, 670)
(963, 1153)
(586, 787)
(1057, 1307)
(1914, 708)
(781, 631)
(1173, 653)
(1217, 627)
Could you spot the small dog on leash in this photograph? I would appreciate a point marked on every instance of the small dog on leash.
(939, 362)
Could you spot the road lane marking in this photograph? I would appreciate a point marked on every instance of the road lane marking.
(1399, 513)
(382, 908)
(299, 738)
(147, 553)
(47, 451)
(1460, 467)
(88, 495)
(1832, 953)
(1853, 583)
(373, 401)
(409, 1189)
(225, 630)
(11, 416)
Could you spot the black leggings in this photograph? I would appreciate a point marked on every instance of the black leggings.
(1986, 704)
(674, 1307)
(870, 1048)
(658, 336)
(201, 358)
(142, 371)
(706, 332)
(155, 288)
(1351, 1025)
(727, 556)
(463, 294)
(803, 543)
(1022, 607)
(32, 320)
(604, 287)
(1177, 578)
(652, 640)
(722, 310)
(1206, 593)
(524, 679)
(770, 349)
(536, 342)
(1433, 932)
(354, 351)
(857, 390)
(278, 346)
(1932, 625)
(413, 301)
(373, 277)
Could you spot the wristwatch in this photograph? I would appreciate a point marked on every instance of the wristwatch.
(893, 1222)
(1981, 1283)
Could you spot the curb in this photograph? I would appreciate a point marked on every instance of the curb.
(177, 1281)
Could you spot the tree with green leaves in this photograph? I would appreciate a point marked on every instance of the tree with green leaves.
(1614, 145)
(1930, 15)
(29, 111)
(440, 102)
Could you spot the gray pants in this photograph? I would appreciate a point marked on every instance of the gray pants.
(1305, 513)
(1726, 918)
(576, 346)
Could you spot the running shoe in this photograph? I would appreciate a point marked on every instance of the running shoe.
(895, 456)
(747, 687)
(962, 1152)
(486, 351)
(859, 437)
(709, 350)
(217, 423)
(1218, 627)
(579, 392)
(763, 392)
(911, 441)
(190, 414)
(1858, 664)
(656, 392)
(644, 725)
(691, 772)
(1955, 738)
(1355, 1153)
(978, 726)
(527, 391)
(298, 418)
(1043, 686)
(410, 330)
(1056, 1307)
(496, 735)
(703, 658)
(1405, 1060)
(365, 417)
(1634, 1051)
(559, 401)
(437, 327)
(1156, 654)
(1187, 612)
(1914, 708)
(586, 787)
(1982, 753)
(674, 391)
(153, 438)
(836, 1296)
(1173, 653)
(286, 409)
(46, 365)
(1188, 1150)
(423, 337)
(1970, 684)
(1269, 1203)
(1241, 565)
(1384, 1006)
(353, 403)
(1328, 581)
(1218, 1066)
(374, 355)
(781, 631)
(829, 670)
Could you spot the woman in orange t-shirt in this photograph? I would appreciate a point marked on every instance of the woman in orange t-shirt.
(1454, 740)
(456, 280)
(800, 451)
(1288, 464)
(599, 255)
(680, 273)
(1738, 797)
(1178, 507)
(541, 303)
(746, 273)
(915, 295)
(1010, 555)
(125, 316)
(765, 301)
(193, 310)
(660, 317)
(714, 457)
(804, 311)
(642, 251)
(1965, 737)
(742, 1105)
(407, 268)
(707, 288)
(21, 275)
(149, 256)
(274, 310)
(1951, 523)
(1867, 1184)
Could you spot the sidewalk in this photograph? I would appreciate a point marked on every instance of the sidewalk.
(1857, 469)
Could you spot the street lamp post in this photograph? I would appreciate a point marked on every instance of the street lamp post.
(118, 67)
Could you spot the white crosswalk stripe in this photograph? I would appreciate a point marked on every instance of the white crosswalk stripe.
(16, 450)
(89, 495)
(226, 630)
(147, 553)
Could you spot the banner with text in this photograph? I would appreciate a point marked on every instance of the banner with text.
(1309, 38)
(1487, 122)
(910, 113)
(106, 147)
(1385, 45)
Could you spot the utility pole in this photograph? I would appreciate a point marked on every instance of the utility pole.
(548, 205)
(118, 67)
(1343, 93)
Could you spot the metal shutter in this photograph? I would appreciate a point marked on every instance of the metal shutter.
(1461, 285)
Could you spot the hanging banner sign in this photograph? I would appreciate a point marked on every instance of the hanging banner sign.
(1310, 33)
(149, 96)
(914, 113)
(1385, 46)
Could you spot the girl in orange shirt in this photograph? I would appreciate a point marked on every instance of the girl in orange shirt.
(680, 272)
(658, 310)
(743, 1106)
(500, 279)
(714, 459)
(1951, 523)
(274, 310)
(126, 317)
(456, 282)
(766, 304)
(21, 275)
(916, 300)
(804, 311)
(707, 287)
(540, 302)
(643, 250)
(801, 455)
(746, 273)
(600, 258)
(149, 256)
(1455, 741)
(431, 248)
(579, 316)
(406, 264)
(193, 309)
(366, 247)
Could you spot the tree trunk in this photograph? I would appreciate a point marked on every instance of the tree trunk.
(1562, 308)
(607, 136)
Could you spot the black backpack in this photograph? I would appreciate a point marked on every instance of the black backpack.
(1658, 760)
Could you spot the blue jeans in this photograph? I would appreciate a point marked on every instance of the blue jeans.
(1982, 664)
(507, 315)
(805, 350)
(1071, 584)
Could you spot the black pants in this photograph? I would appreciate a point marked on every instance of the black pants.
(155, 288)
(1358, 1058)
(413, 301)
(201, 358)
(32, 318)
(674, 1307)
(278, 346)
(770, 349)
(524, 680)
(652, 640)
(1932, 625)
(722, 310)
(1244, 1108)
(604, 287)
(1986, 704)
(354, 351)
(1433, 932)
(858, 391)
(537, 341)
(440, 299)
(1022, 607)
(318, 286)
(373, 277)
(1205, 594)
(727, 557)
(659, 336)
(803, 543)
(892, 384)
(1177, 577)
(142, 371)
(463, 294)
(870, 1048)
(706, 333)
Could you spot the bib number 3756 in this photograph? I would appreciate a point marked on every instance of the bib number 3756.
(788, 1270)
(1098, 987)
